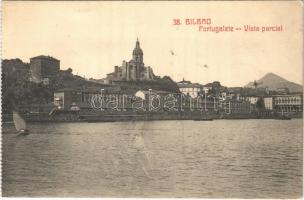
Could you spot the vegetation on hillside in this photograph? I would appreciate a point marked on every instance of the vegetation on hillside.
(159, 84)
(17, 89)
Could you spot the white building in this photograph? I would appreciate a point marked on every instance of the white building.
(268, 102)
(252, 99)
(191, 89)
(283, 103)
(288, 103)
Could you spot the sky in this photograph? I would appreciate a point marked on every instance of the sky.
(93, 37)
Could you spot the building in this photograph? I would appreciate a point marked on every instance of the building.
(268, 103)
(42, 68)
(146, 94)
(215, 87)
(282, 91)
(252, 99)
(207, 88)
(233, 106)
(288, 103)
(67, 98)
(234, 93)
(190, 89)
(134, 70)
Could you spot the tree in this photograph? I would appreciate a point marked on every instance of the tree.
(260, 104)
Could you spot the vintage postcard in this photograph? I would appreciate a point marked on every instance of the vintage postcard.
(161, 99)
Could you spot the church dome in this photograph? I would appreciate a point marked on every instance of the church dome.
(137, 50)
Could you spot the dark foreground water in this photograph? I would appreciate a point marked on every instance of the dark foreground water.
(222, 158)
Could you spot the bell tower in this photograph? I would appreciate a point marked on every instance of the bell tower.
(138, 53)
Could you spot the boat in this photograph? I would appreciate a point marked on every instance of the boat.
(20, 124)
(204, 119)
(283, 117)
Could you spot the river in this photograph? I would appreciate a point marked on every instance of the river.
(206, 159)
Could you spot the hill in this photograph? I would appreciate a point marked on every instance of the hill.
(17, 89)
(274, 82)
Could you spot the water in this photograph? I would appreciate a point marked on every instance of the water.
(222, 158)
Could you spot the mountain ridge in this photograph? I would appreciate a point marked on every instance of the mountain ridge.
(274, 82)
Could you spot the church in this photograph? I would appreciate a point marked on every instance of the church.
(134, 70)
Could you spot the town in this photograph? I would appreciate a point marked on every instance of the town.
(41, 90)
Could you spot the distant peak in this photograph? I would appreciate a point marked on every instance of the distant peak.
(271, 74)
(273, 77)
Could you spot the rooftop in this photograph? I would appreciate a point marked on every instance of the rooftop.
(44, 57)
(189, 85)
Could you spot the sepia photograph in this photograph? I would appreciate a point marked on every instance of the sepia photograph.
(152, 99)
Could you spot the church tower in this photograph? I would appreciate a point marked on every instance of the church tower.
(138, 53)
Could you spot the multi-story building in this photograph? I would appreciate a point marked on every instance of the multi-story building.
(66, 98)
(268, 103)
(288, 103)
(134, 70)
(232, 106)
(252, 99)
(192, 89)
(42, 68)
(234, 93)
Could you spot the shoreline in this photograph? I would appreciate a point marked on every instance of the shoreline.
(145, 116)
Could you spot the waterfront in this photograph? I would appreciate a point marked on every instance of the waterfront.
(221, 158)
